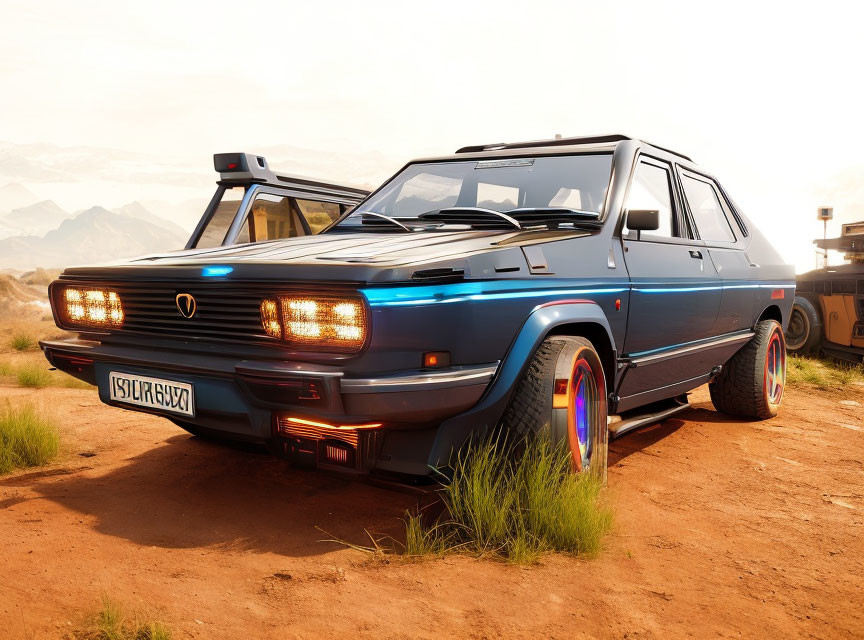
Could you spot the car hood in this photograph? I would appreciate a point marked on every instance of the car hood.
(355, 256)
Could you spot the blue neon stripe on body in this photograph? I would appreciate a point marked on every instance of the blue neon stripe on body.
(481, 291)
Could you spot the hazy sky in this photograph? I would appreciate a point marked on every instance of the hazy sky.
(767, 96)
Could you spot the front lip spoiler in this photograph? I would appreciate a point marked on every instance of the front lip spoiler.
(429, 380)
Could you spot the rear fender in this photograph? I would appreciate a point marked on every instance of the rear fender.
(487, 413)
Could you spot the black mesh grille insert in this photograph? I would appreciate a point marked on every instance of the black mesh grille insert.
(221, 312)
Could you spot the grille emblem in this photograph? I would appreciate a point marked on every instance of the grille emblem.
(186, 305)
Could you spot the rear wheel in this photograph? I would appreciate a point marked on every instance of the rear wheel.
(564, 389)
(804, 332)
(752, 382)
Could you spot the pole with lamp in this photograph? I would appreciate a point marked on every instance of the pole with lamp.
(825, 214)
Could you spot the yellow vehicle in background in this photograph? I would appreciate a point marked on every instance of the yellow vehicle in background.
(828, 313)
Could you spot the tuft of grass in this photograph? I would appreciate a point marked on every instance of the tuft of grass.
(111, 623)
(22, 342)
(825, 373)
(33, 375)
(28, 438)
(421, 540)
(6, 368)
(515, 503)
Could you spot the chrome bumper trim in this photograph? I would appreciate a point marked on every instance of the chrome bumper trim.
(710, 344)
(465, 376)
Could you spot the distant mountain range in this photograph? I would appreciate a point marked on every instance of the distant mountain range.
(92, 236)
(35, 219)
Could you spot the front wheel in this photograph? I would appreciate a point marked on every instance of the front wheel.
(564, 388)
(752, 382)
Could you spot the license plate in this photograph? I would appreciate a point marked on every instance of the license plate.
(154, 393)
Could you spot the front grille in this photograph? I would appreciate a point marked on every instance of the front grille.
(223, 312)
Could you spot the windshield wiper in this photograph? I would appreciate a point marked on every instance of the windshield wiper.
(379, 220)
(475, 217)
(552, 217)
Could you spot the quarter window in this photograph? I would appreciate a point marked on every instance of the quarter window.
(273, 217)
(652, 190)
(319, 215)
(704, 203)
(223, 216)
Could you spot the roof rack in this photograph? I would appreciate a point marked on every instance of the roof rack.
(557, 142)
(245, 168)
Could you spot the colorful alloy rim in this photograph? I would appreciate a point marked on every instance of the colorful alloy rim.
(583, 411)
(775, 368)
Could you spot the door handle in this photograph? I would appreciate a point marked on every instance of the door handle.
(696, 254)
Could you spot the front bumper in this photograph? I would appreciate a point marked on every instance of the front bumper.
(250, 399)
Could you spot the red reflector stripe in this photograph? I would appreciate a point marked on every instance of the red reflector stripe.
(778, 294)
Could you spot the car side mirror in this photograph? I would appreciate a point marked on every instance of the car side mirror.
(640, 220)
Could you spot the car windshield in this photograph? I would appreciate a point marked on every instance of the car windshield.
(573, 183)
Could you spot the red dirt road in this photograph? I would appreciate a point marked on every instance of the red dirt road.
(723, 529)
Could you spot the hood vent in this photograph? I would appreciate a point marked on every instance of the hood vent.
(447, 274)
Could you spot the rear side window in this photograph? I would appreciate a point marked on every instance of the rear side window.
(273, 217)
(219, 223)
(319, 215)
(708, 214)
(652, 189)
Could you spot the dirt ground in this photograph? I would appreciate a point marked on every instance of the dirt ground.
(723, 529)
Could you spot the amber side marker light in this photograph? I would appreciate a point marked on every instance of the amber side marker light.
(289, 420)
(92, 307)
(436, 359)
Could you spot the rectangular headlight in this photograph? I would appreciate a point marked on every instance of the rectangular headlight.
(316, 321)
(90, 307)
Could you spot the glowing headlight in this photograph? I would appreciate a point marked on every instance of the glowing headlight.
(316, 321)
(91, 307)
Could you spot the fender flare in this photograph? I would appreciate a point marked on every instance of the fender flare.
(486, 414)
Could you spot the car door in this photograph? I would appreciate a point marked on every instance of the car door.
(675, 292)
(723, 235)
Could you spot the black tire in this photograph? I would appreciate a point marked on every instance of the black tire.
(752, 382)
(804, 333)
(571, 366)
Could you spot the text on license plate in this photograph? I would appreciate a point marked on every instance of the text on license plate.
(167, 395)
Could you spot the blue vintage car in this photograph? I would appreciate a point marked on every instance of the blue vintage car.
(583, 285)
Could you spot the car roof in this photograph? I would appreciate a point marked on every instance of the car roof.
(555, 146)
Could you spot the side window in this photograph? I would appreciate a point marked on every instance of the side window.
(272, 217)
(219, 223)
(319, 215)
(652, 189)
(708, 214)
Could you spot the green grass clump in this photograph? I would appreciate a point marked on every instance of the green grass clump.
(22, 342)
(33, 375)
(516, 507)
(28, 438)
(111, 623)
(6, 368)
(822, 373)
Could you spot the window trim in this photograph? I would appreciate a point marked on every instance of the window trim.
(683, 226)
(683, 172)
(246, 207)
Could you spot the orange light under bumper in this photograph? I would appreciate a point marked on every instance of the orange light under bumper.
(91, 308)
(303, 422)
(316, 321)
